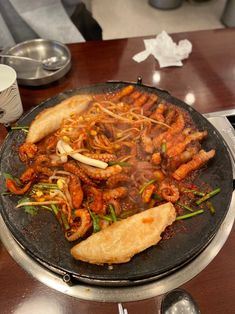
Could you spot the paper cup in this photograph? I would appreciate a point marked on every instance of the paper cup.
(10, 102)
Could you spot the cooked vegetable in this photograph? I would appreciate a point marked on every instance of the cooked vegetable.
(185, 207)
(30, 209)
(207, 196)
(144, 186)
(211, 207)
(65, 149)
(198, 193)
(198, 212)
(112, 213)
(95, 221)
(22, 128)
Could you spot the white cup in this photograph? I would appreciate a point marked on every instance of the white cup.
(10, 102)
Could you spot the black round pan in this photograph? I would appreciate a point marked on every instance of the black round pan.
(42, 237)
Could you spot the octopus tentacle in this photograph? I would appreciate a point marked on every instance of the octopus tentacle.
(28, 175)
(76, 191)
(116, 179)
(12, 187)
(101, 174)
(169, 192)
(118, 192)
(43, 170)
(72, 168)
(95, 199)
(103, 157)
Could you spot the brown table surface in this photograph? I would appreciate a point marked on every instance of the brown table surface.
(207, 79)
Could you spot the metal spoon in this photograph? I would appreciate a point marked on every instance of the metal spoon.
(179, 301)
(51, 64)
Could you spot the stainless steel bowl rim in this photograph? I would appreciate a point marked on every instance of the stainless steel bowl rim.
(51, 75)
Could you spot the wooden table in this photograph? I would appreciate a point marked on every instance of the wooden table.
(207, 82)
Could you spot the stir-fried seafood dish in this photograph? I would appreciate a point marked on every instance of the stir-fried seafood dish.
(95, 160)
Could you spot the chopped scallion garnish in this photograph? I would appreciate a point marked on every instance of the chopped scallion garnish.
(198, 212)
(207, 196)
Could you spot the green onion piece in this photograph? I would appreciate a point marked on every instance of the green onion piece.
(55, 209)
(60, 216)
(163, 147)
(195, 192)
(120, 163)
(112, 212)
(46, 207)
(45, 186)
(145, 185)
(106, 217)
(185, 207)
(208, 195)
(95, 221)
(65, 221)
(30, 209)
(19, 127)
(211, 208)
(200, 211)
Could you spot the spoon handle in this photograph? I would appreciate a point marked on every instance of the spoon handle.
(19, 58)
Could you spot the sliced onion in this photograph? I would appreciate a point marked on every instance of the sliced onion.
(62, 153)
(65, 148)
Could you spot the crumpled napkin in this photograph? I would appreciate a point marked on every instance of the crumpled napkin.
(165, 50)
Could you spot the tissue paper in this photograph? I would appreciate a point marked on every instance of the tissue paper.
(165, 50)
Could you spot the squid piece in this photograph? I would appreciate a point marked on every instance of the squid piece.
(116, 179)
(176, 127)
(156, 158)
(43, 160)
(123, 92)
(141, 100)
(184, 157)
(76, 191)
(72, 168)
(15, 189)
(103, 157)
(118, 192)
(150, 102)
(101, 174)
(159, 113)
(133, 96)
(147, 193)
(96, 201)
(28, 175)
(43, 170)
(80, 226)
(169, 192)
(179, 147)
(197, 162)
(147, 142)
